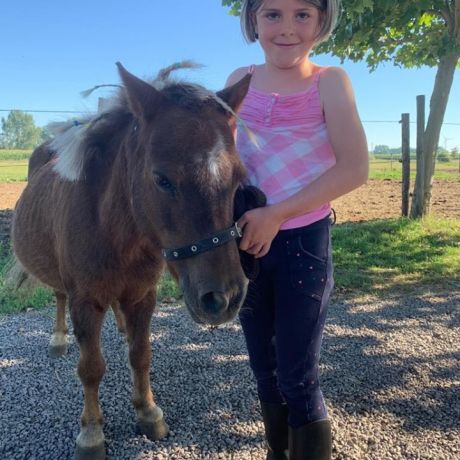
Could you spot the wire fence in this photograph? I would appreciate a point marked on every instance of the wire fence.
(450, 139)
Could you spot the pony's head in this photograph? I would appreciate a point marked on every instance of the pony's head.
(184, 172)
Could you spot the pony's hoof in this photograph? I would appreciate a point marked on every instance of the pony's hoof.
(151, 423)
(154, 430)
(58, 345)
(57, 351)
(90, 443)
(90, 453)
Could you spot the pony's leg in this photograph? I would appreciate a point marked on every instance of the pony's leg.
(87, 321)
(58, 343)
(149, 416)
(119, 317)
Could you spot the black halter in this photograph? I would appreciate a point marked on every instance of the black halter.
(214, 241)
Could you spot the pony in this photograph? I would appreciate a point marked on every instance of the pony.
(148, 181)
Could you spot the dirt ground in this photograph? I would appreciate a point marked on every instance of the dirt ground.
(381, 199)
(378, 199)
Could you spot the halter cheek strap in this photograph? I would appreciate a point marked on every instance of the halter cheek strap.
(214, 241)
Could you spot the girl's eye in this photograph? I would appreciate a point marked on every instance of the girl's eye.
(272, 16)
(303, 16)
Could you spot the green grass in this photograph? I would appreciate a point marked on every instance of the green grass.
(14, 301)
(168, 288)
(13, 171)
(386, 256)
(392, 169)
(13, 167)
(380, 257)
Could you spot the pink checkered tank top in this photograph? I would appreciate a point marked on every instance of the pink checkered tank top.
(292, 146)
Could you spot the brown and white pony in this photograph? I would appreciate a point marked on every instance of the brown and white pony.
(108, 200)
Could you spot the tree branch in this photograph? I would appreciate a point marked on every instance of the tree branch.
(448, 15)
(444, 14)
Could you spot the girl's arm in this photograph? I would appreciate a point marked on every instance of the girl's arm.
(348, 141)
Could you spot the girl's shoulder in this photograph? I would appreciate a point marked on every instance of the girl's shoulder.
(330, 75)
(237, 75)
(333, 82)
(335, 89)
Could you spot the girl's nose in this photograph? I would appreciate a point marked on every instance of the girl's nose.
(288, 27)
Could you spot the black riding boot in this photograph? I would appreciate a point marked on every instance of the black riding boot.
(311, 442)
(275, 417)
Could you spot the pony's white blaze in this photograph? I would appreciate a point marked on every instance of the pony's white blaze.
(218, 162)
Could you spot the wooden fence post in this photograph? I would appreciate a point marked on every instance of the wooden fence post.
(405, 156)
(417, 209)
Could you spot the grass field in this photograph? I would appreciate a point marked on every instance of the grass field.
(387, 256)
(13, 170)
(13, 167)
(380, 257)
(392, 169)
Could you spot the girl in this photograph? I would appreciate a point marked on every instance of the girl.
(310, 149)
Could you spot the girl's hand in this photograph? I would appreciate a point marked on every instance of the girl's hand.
(260, 226)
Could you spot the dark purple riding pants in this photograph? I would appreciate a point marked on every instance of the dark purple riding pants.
(283, 320)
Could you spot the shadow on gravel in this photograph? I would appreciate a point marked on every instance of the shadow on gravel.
(389, 356)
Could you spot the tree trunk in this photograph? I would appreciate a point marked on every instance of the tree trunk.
(444, 77)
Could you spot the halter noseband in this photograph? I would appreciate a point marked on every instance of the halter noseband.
(214, 241)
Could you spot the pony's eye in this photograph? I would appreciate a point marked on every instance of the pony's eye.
(163, 183)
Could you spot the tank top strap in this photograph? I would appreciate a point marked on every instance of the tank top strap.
(318, 74)
(251, 69)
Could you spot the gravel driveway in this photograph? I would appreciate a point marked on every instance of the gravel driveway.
(391, 378)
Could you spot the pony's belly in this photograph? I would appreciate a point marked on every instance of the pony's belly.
(33, 240)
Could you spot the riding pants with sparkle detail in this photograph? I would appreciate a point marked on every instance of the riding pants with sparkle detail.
(283, 320)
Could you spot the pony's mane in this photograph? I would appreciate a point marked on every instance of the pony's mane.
(73, 137)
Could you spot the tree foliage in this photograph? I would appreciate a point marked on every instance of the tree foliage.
(410, 33)
(381, 148)
(19, 131)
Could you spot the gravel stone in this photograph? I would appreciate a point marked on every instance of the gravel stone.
(390, 376)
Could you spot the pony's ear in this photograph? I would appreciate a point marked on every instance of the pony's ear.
(234, 95)
(143, 98)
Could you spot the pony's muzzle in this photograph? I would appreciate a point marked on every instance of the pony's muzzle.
(217, 307)
(214, 303)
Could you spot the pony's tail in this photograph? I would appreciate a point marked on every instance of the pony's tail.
(16, 276)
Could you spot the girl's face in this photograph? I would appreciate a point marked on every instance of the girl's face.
(287, 31)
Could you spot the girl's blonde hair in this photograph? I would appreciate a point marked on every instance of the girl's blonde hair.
(328, 8)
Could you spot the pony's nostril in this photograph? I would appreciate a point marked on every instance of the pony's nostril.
(214, 302)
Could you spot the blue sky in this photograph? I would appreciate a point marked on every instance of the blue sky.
(52, 50)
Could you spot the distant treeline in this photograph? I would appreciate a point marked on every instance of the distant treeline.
(383, 152)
